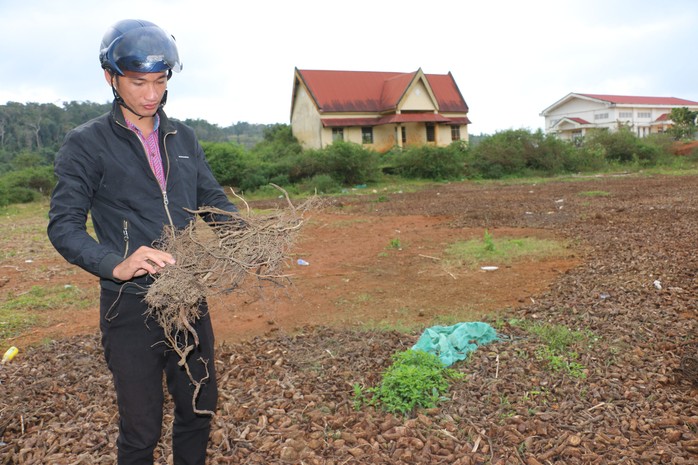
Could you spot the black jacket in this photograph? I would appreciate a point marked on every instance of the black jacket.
(102, 169)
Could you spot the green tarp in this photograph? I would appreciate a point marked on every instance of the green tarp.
(454, 343)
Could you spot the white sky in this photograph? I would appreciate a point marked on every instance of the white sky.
(511, 59)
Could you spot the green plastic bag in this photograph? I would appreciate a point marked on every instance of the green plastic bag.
(455, 342)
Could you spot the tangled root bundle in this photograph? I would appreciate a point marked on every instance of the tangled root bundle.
(218, 256)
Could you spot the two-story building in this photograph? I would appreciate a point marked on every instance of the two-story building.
(380, 110)
(576, 114)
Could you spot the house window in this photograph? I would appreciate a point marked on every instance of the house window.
(601, 116)
(644, 114)
(404, 134)
(455, 132)
(431, 133)
(367, 135)
(337, 134)
(625, 114)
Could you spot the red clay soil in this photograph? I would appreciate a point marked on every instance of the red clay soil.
(685, 148)
(355, 277)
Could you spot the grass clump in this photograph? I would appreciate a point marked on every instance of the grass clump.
(15, 314)
(502, 250)
(558, 350)
(416, 379)
(595, 194)
(43, 298)
(13, 323)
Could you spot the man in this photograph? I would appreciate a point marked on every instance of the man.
(135, 172)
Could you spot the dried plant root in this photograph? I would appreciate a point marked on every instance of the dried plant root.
(214, 257)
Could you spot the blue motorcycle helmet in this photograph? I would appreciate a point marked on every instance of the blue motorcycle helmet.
(139, 46)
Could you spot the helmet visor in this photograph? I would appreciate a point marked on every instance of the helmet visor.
(144, 50)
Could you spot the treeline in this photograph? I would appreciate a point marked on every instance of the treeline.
(249, 158)
(39, 129)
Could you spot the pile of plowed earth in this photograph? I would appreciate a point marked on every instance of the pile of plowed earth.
(290, 399)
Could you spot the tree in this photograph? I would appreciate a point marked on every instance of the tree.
(684, 123)
(228, 161)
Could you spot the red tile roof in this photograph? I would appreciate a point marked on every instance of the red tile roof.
(635, 100)
(578, 120)
(393, 118)
(373, 91)
(447, 93)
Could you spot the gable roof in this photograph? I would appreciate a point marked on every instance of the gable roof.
(623, 100)
(638, 100)
(375, 91)
(573, 120)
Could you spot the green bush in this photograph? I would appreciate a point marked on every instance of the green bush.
(320, 183)
(552, 155)
(622, 146)
(503, 154)
(227, 160)
(279, 145)
(349, 163)
(26, 185)
(429, 162)
(585, 159)
(522, 153)
(252, 179)
(305, 165)
(345, 162)
(416, 379)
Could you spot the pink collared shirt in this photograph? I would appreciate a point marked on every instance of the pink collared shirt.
(152, 148)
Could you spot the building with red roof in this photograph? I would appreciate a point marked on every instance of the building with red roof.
(576, 114)
(380, 110)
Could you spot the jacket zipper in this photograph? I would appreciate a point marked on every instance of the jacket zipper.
(126, 239)
(165, 200)
(163, 189)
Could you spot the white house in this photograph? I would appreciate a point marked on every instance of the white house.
(576, 114)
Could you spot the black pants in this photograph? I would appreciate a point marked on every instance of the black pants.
(137, 356)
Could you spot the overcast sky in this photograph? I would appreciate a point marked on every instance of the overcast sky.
(511, 59)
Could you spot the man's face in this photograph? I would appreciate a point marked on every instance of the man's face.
(142, 92)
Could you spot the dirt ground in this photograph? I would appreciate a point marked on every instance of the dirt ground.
(355, 277)
(288, 364)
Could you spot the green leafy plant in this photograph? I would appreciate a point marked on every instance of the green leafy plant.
(395, 244)
(359, 397)
(562, 362)
(416, 379)
(489, 241)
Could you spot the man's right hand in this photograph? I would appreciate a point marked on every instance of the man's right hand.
(143, 261)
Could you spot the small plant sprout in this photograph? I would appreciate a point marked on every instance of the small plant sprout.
(489, 241)
(395, 244)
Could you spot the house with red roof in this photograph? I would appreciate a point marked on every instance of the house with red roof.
(379, 110)
(576, 114)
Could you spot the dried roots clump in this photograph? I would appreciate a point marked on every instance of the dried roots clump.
(221, 254)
